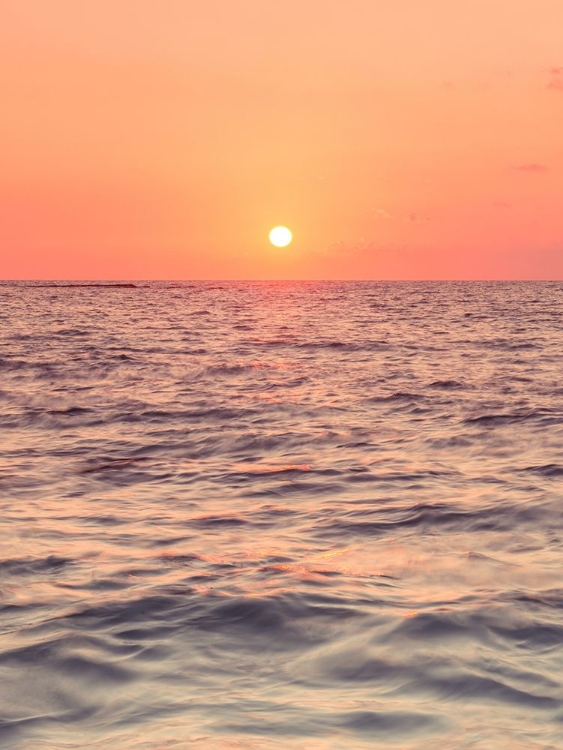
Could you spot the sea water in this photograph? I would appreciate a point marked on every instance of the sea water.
(281, 515)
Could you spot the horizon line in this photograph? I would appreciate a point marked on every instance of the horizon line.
(270, 280)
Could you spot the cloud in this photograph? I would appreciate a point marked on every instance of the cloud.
(501, 204)
(556, 78)
(531, 168)
(381, 213)
(414, 218)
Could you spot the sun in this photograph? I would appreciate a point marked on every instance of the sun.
(281, 236)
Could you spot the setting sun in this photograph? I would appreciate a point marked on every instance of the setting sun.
(281, 236)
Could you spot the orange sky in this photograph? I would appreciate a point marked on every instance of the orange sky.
(396, 138)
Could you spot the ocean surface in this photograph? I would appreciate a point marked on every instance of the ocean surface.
(281, 515)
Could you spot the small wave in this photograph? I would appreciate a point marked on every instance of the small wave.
(110, 464)
(33, 566)
(211, 522)
(71, 332)
(71, 411)
(387, 724)
(266, 469)
(397, 396)
(448, 385)
(426, 516)
(491, 420)
(548, 470)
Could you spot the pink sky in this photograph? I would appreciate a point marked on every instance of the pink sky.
(404, 139)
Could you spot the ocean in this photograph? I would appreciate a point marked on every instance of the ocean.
(266, 515)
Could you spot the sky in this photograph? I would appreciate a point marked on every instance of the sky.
(403, 139)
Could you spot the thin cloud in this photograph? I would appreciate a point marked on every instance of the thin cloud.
(414, 218)
(531, 168)
(556, 79)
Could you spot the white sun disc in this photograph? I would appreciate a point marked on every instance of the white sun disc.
(281, 236)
